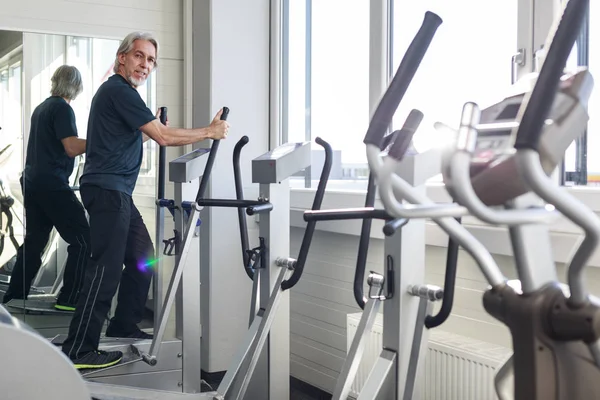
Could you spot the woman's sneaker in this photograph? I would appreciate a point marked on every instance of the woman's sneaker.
(97, 359)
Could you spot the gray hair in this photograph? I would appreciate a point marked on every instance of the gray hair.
(127, 45)
(66, 82)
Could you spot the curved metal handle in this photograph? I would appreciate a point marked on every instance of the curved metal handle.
(211, 160)
(239, 194)
(310, 227)
(406, 71)
(449, 285)
(542, 97)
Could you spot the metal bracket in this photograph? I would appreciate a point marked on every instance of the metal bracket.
(517, 60)
(375, 282)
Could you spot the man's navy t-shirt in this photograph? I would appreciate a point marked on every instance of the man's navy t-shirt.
(47, 165)
(114, 141)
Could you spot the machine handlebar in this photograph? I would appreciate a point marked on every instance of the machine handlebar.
(542, 97)
(432, 321)
(211, 160)
(406, 71)
(239, 194)
(310, 228)
(405, 135)
(162, 156)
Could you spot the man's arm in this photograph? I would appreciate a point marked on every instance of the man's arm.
(167, 136)
(145, 137)
(73, 146)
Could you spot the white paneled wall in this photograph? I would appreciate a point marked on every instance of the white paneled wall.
(324, 295)
(112, 19)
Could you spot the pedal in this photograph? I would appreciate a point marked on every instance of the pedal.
(148, 359)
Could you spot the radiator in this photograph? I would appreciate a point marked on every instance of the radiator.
(455, 367)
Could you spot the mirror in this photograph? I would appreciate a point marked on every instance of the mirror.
(27, 62)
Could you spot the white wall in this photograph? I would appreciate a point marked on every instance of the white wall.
(231, 68)
(324, 295)
(111, 19)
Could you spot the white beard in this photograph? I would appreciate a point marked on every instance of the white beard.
(136, 82)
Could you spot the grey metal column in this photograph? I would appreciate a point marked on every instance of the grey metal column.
(187, 305)
(273, 383)
(405, 256)
(157, 278)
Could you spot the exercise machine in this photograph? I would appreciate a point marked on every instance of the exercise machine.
(260, 368)
(518, 142)
(40, 372)
(407, 301)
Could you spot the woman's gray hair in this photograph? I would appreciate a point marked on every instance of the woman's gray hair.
(66, 82)
(127, 45)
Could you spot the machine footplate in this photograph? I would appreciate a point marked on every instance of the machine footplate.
(43, 304)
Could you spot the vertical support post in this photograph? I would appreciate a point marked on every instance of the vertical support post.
(188, 326)
(157, 277)
(404, 266)
(532, 249)
(271, 380)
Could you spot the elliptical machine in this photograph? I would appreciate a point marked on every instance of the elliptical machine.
(555, 328)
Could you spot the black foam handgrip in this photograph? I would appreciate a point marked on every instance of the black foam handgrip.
(225, 114)
(405, 135)
(239, 194)
(544, 91)
(345, 214)
(392, 226)
(162, 156)
(406, 71)
(211, 160)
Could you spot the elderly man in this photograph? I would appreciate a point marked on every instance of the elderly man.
(118, 125)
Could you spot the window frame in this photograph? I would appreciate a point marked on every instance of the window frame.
(534, 18)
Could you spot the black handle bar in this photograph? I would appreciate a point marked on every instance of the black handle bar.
(211, 160)
(162, 156)
(229, 203)
(310, 227)
(544, 91)
(239, 194)
(449, 285)
(404, 74)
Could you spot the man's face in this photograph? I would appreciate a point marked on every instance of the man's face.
(138, 63)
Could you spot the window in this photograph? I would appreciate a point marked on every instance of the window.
(94, 58)
(468, 59)
(330, 70)
(327, 71)
(326, 83)
(10, 114)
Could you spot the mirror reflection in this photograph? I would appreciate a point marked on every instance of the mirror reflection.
(43, 225)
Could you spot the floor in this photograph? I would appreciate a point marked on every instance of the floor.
(297, 394)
